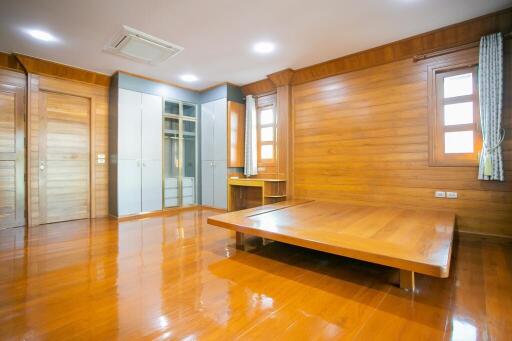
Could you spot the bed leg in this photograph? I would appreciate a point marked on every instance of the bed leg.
(240, 241)
(407, 280)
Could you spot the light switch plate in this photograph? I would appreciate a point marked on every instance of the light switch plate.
(452, 195)
(440, 194)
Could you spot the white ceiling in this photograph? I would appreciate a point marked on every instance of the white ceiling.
(218, 34)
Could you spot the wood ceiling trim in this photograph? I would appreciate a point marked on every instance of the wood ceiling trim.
(282, 78)
(48, 68)
(259, 87)
(459, 34)
(9, 62)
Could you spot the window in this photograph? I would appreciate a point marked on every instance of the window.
(266, 119)
(455, 137)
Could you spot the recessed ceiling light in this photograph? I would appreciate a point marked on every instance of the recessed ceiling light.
(264, 47)
(41, 35)
(189, 78)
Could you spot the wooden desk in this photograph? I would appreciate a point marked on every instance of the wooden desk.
(251, 192)
(407, 239)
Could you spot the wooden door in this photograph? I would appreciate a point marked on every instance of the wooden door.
(64, 154)
(12, 151)
(236, 134)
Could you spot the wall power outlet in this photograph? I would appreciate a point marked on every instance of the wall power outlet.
(440, 194)
(452, 195)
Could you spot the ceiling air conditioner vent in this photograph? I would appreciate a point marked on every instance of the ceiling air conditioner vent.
(142, 47)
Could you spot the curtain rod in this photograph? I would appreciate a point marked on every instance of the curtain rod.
(424, 56)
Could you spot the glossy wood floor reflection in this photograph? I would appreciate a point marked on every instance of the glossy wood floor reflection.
(175, 277)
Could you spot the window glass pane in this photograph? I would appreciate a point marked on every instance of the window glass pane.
(189, 110)
(459, 113)
(267, 134)
(267, 152)
(267, 116)
(458, 142)
(459, 85)
(172, 108)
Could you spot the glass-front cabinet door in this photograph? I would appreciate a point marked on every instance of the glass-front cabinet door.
(180, 154)
(171, 161)
(189, 162)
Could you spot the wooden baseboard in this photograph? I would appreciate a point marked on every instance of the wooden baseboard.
(162, 212)
(214, 208)
(469, 235)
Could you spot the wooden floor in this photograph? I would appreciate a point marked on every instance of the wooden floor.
(175, 277)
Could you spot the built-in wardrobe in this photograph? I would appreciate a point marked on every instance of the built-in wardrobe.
(153, 146)
(168, 146)
(136, 153)
(214, 153)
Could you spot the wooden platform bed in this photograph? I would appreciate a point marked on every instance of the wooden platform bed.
(407, 239)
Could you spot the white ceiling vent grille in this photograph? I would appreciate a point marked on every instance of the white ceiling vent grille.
(142, 47)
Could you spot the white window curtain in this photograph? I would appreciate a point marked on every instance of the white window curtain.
(490, 84)
(251, 147)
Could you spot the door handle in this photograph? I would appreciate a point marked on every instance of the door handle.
(143, 164)
(41, 165)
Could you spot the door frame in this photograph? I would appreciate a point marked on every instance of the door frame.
(18, 81)
(36, 84)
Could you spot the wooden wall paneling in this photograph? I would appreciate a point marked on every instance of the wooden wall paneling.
(98, 97)
(12, 148)
(65, 72)
(33, 151)
(236, 134)
(362, 137)
(284, 137)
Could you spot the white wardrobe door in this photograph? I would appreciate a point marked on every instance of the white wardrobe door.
(207, 183)
(220, 184)
(129, 127)
(151, 127)
(128, 187)
(220, 128)
(207, 133)
(151, 185)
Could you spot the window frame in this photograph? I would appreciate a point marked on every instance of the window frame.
(437, 128)
(264, 103)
